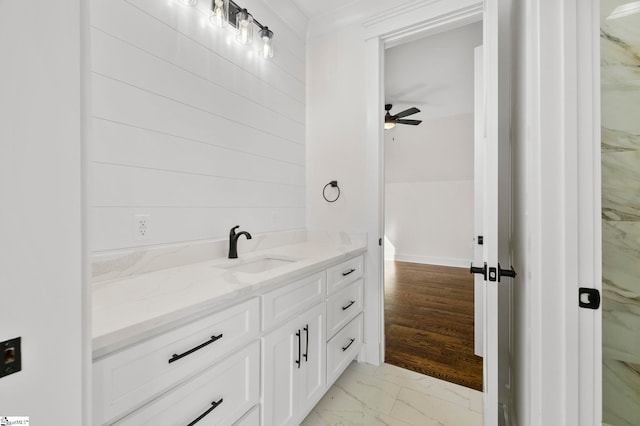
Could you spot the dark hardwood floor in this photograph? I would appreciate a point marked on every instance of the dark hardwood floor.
(429, 322)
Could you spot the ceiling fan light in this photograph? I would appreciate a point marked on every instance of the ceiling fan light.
(389, 125)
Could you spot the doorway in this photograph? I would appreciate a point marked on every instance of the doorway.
(429, 207)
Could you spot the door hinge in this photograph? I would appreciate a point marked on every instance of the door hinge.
(380, 242)
(480, 240)
(589, 298)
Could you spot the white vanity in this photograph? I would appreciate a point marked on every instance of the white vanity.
(211, 344)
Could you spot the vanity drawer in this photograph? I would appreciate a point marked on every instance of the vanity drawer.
(131, 377)
(289, 300)
(343, 348)
(340, 275)
(233, 384)
(343, 306)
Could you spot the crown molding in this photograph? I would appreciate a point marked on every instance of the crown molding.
(422, 18)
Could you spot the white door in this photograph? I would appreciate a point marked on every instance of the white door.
(478, 201)
(280, 366)
(313, 377)
(496, 212)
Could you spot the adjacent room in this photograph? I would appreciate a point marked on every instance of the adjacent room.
(429, 207)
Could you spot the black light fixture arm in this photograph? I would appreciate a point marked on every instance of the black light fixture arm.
(234, 8)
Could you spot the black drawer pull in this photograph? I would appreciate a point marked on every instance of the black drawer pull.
(299, 345)
(306, 352)
(347, 347)
(344, 274)
(214, 405)
(176, 357)
(344, 308)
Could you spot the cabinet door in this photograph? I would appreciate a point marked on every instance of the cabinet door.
(313, 376)
(280, 371)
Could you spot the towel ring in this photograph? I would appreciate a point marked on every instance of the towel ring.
(333, 184)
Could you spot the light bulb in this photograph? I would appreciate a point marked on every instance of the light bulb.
(244, 34)
(219, 13)
(244, 25)
(389, 125)
(267, 43)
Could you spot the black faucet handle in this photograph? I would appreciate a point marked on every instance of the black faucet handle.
(232, 232)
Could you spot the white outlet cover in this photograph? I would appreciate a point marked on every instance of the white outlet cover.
(141, 227)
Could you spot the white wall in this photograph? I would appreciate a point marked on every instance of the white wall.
(428, 222)
(192, 128)
(40, 218)
(336, 127)
(429, 202)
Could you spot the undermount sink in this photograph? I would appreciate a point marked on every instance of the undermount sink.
(256, 266)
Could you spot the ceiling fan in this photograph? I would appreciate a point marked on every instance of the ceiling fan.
(390, 121)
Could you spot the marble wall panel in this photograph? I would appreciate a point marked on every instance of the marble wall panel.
(620, 90)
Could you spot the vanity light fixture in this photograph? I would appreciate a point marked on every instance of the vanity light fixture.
(244, 27)
(228, 12)
(266, 35)
(219, 13)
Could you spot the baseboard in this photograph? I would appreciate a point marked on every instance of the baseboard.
(427, 260)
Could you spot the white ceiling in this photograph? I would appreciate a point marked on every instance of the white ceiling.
(434, 74)
(313, 8)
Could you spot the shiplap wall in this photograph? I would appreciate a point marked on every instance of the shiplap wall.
(192, 128)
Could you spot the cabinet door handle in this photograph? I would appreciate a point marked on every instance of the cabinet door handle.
(347, 347)
(344, 308)
(344, 274)
(176, 357)
(306, 351)
(214, 405)
(299, 344)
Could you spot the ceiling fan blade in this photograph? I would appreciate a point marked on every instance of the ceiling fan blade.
(411, 122)
(406, 112)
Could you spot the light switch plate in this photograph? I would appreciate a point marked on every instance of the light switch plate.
(10, 356)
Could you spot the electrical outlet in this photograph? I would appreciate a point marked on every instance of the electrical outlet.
(10, 357)
(141, 227)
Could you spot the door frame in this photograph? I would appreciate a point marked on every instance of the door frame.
(589, 205)
(415, 20)
(560, 134)
(563, 46)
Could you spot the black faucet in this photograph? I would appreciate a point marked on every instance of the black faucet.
(233, 241)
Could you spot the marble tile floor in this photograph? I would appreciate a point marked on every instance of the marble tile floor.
(388, 395)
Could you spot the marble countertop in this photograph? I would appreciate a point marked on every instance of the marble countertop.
(130, 309)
